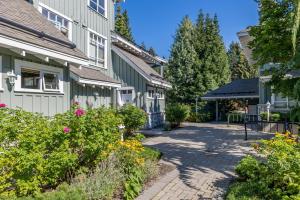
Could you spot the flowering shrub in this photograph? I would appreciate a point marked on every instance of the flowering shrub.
(38, 153)
(276, 177)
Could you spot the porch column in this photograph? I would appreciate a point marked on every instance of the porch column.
(217, 111)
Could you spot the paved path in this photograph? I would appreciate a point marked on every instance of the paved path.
(204, 155)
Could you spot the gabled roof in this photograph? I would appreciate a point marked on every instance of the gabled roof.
(92, 77)
(238, 89)
(21, 23)
(141, 67)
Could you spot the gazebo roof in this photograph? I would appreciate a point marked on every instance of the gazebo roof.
(238, 89)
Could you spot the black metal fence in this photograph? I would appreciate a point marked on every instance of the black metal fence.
(271, 127)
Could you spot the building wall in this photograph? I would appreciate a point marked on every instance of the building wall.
(83, 18)
(46, 104)
(124, 73)
(88, 96)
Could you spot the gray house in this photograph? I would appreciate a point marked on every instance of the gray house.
(279, 103)
(55, 52)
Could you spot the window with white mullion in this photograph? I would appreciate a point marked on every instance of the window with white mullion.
(98, 6)
(97, 50)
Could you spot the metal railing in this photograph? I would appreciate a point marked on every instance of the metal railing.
(240, 118)
(271, 127)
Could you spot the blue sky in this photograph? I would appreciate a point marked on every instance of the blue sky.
(155, 21)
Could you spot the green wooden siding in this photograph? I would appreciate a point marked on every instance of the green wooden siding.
(96, 97)
(47, 104)
(83, 18)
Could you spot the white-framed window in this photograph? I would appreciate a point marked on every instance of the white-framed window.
(97, 49)
(1, 80)
(126, 95)
(61, 22)
(151, 93)
(160, 94)
(99, 6)
(33, 77)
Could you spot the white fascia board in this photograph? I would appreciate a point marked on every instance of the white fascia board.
(124, 41)
(35, 49)
(231, 97)
(161, 84)
(94, 82)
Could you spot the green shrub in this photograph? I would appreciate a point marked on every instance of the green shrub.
(200, 117)
(273, 116)
(177, 113)
(275, 177)
(39, 153)
(133, 118)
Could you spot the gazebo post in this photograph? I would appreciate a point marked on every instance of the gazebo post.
(217, 111)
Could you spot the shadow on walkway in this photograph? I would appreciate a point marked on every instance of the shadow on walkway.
(198, 149)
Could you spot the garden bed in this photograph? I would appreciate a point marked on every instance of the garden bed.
(275, 175)
(75, 155)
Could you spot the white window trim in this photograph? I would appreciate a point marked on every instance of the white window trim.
(127, 89)
(70, 24)
(1, 72)
(19, 64)
(105, 8)
(89, 31)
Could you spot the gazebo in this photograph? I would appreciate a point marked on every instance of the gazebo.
(243, 89)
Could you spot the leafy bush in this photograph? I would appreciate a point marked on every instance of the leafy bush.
(200, 117)
(133, 118)
(273, 116)
(38, 153)
(276, 177)
(177, 113)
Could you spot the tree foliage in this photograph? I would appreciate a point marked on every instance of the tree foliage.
(122, 25)
(198, 61)
(239, 66)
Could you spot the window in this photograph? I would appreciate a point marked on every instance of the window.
(99, 6)
(97, 50)
(51, 82)
(30, 79)
(125, 95)
(61, 22)
(33, 77)
(151, 93)
(160, 94)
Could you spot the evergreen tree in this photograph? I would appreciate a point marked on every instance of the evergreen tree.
(215, 61)
(152, 51)
(239, 66)
(183, 61)
(143, 46)
(122, 25)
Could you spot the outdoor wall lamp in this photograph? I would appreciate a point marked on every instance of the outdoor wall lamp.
(12, 77)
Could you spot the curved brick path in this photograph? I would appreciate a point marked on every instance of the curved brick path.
(204, 156)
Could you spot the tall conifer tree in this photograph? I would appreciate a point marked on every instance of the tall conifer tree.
(239, 66)
(122, 25)
(182, 63)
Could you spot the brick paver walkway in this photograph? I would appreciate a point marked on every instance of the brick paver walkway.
(204, 155)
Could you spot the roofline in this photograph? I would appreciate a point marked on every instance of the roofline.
(40, 34)
(231, 97)
(94, 82)
(9, 42)
(136, 48)
(136, 68)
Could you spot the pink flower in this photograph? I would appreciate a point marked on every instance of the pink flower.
(2, 105)
(79, 112)
(67, 130)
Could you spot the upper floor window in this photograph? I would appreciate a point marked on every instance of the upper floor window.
(97, 50)
(99, 6)
(61, 22)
